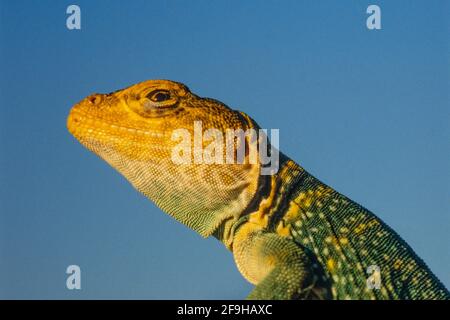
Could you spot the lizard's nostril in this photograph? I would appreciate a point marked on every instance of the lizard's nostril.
(95, 99)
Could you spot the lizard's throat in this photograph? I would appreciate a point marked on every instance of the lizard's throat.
(201, 196)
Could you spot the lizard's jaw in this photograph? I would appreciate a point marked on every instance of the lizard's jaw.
(97, 133)
(200, 196)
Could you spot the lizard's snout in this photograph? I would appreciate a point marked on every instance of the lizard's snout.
(78, 110)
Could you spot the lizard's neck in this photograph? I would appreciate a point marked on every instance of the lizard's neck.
(273, 195)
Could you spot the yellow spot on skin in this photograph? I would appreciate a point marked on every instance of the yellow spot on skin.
(335, 241)
(330, 265)
(292, 212)
(310, 197)
(259, 218)
(307, 202)
(343, 241)
(343, 230)
(283, 230)
(360, 228)
(397, 264)
(373, 223)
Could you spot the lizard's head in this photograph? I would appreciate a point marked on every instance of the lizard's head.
(137, 131)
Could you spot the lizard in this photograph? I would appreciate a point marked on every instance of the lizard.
(291, 235)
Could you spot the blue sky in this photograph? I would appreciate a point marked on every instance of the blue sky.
(365, 111)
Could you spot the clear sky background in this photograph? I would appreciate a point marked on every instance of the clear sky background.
(367, 112)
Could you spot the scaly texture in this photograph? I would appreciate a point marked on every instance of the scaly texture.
(291, 235)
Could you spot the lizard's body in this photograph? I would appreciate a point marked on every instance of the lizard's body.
(291, 235)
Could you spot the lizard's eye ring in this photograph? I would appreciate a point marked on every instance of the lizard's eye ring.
(159, 95)
(153, 103)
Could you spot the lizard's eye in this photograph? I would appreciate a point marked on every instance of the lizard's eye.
(159, 95)
(153, 102)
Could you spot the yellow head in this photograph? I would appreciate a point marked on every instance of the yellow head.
(133, 130)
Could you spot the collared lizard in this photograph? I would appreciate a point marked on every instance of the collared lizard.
(291, 235)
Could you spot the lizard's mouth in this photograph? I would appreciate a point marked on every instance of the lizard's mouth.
(99, 136)
(82, 124)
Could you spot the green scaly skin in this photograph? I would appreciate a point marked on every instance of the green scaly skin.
(336, 241)
(291, 235)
